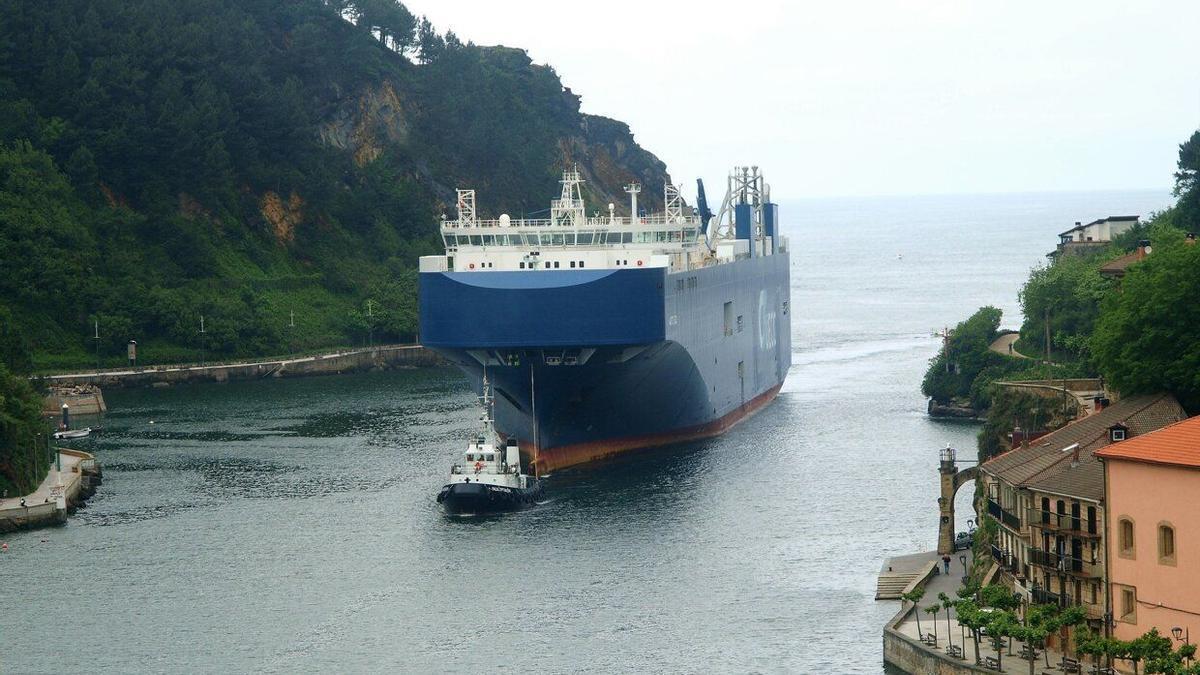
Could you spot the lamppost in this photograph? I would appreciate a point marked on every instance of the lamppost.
(203, 345)
(370, 326)
(96, 337)
(1184, 636)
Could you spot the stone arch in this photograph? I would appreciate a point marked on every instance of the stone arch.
(952, 480)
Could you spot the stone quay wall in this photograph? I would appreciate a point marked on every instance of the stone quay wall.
(374, 358)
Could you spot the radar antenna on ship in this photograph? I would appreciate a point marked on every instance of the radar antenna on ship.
(745, 186)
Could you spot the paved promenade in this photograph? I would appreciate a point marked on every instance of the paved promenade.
(960, 636)
(1004, 345)
(42, 506)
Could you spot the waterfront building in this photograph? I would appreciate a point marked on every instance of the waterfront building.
(1117, 267)
(1047, 499)
(1153, 529)
(1092, 237)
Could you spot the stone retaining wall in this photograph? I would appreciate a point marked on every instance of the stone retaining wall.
(910, 656)
(79, 485)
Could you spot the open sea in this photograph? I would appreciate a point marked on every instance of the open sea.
(290, 526)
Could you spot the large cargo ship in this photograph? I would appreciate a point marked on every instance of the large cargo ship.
(606, 333)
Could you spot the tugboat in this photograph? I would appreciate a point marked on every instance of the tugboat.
(490, 479)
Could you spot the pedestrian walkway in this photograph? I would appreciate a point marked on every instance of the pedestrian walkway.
(49, 502)
(1004, 345)
(949, 632)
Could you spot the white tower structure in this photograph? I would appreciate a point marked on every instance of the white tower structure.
(633, 189)
(567, 210)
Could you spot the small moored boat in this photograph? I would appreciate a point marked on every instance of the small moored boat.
(489, 479)
(68, 435)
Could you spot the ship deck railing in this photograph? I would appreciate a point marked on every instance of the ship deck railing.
(641, 222)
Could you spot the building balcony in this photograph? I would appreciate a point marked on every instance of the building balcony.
(1063, 523)
(1076, 567)
(1044, 597)
(1006, 517)
(1009, 563)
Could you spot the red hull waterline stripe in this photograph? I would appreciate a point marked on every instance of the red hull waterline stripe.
(581, 453)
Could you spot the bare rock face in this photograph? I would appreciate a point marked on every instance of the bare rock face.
(610, 159)
(283, 216)
(366, 124)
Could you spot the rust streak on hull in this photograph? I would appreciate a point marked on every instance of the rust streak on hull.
(553, 459)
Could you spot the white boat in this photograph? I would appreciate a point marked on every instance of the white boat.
(70, 434)
(489, 479)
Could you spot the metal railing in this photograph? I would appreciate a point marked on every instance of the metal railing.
(1043, 597)
(1008, 562)
(657, 219)
(1062, 522)
(1005, 516)
(1065, 564)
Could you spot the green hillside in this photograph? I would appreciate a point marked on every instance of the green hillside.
(271, 166)
(246, 160)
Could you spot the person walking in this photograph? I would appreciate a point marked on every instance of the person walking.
(946, 563)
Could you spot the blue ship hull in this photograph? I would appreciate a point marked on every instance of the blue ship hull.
(618, 359)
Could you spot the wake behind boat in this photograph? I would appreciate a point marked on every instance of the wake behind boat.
(490, 479)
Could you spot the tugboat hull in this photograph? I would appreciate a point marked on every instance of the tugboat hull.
(479, 498)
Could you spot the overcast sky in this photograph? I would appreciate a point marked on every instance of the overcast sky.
(847, 97)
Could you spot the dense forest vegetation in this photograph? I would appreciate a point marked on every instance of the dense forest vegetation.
(244, 160)
(1141, 333)
(271, 166)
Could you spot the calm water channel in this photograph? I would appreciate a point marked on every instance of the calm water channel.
(290, 525)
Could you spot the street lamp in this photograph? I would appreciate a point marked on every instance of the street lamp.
(1183, 635)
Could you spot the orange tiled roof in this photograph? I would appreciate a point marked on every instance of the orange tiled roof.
(1177, 444)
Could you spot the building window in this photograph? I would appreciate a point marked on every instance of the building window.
(729, 318)
(1125, 546)
(1128, 604)
(1118, 434)
(555, 264)
(739, 323)
(1166, 544)
(572, 264)
(522, 265)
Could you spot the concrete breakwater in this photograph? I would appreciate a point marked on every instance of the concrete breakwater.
(70, 482)
(84, 399)
(373, 358)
